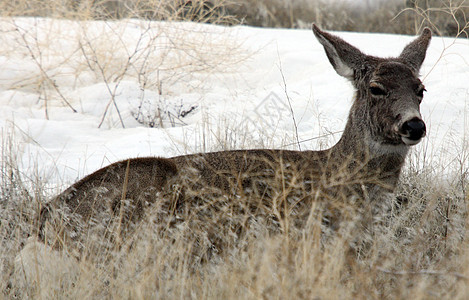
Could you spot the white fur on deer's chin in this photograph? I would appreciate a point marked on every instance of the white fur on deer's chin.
(378, 149)
(410, 142)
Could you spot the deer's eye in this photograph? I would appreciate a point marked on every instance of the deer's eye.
(420, 92)
(376, 90)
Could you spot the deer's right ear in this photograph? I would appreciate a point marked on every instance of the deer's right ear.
(344, 57)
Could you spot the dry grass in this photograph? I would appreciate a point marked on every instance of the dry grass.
(212, 11)
(219, 249)
(447, 18)
(419, 248)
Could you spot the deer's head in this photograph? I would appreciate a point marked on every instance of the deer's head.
(389, 93)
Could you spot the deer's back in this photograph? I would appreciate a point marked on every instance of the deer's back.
(233, 171)
(123, 190)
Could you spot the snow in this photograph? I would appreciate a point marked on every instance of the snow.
(238, 87)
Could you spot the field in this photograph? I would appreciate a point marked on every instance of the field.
(77, 94)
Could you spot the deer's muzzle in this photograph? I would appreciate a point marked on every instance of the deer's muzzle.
(412, 131)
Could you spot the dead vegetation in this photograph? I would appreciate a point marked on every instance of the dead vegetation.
(419, 250)
(447, 18)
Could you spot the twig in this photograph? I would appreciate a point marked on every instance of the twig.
(39, 65)
(423, 272)
(289, 101)
(314, 138)
(125, 186)
(425, 15)
(106, 82)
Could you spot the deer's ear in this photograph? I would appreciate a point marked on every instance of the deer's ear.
(344, 57)
(414, 54)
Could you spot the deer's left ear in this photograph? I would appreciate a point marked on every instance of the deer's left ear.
(414, 54)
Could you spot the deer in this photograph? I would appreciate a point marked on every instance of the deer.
(384, 122)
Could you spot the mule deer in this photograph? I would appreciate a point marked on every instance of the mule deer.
(383, 123)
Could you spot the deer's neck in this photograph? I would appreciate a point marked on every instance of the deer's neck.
(362, 155)
(357, 141)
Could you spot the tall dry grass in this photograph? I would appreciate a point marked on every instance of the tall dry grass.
(219, 249)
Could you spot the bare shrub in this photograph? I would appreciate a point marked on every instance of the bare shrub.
(202, 11)
(448, 18)
(156, 55)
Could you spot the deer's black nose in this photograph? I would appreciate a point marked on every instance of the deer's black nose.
(414, 129)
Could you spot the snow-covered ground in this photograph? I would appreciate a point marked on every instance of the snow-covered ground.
(237, 87)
